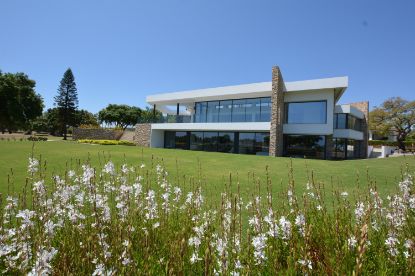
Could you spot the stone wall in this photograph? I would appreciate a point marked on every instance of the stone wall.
(96, 134)
(364, 107)
(142, 136)
(277, 113)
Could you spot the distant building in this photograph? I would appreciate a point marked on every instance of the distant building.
(276, 118)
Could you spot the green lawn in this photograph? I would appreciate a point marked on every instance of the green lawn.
(214, 168)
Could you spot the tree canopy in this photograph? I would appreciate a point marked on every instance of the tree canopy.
(19, 103)
(394, 115)
(121, 115)
(67, 101)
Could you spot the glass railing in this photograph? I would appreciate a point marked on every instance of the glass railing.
(168, 119)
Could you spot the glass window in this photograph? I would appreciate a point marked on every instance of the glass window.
(238, 111)
(350, 149)
(200, 112)
(262, 143)
(210, 141)
(225, 111)
(182, 140)
(196, 140)
(247, 143)
(169, 139)
(306, 113)
(226, 142)
(212, 115)
(252, 110)
(341, 121)
(311, 146)
(339, 148)
(265, 110)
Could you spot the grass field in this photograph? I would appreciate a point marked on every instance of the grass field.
(111, 221)
(213, 168)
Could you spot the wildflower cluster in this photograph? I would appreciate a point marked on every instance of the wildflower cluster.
(133, 220)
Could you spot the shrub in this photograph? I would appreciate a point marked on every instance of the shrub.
(389, 143)
(89, 126)
(107, 142)
(37, 138)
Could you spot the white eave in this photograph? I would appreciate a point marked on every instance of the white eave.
(260, 89)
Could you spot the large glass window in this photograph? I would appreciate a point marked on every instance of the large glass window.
(226, 142)
(265, 110)
(200, 112)
(240, 110)
(262, 143)
(212, 112)
(169, 139)
(253, 110)
(225, 111)
(181, 140)
(310, 146)
(306, 112)
(196, 140)
(247, 143)
(341, 121)
(210, 141)
(347, 121)
(339, 148)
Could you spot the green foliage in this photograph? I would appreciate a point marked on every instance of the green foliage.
(48, 122)
(394, 115)
(19, 103)
(84, 117)
(107, 142)
(149, 116)
(67, 101)
(37, 138)
(120, 115)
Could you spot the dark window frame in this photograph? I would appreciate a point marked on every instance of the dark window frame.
(314, 101)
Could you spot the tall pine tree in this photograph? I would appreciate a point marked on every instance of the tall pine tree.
(67, 101)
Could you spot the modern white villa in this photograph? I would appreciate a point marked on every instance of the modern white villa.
(276, 118)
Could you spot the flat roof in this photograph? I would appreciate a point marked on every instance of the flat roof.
(259, 89)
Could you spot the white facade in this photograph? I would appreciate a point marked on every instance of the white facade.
(183, 103)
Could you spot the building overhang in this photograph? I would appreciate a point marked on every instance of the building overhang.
(254, 126)
(349, 109)
(252, 90)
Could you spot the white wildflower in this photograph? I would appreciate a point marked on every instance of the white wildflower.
(306, 263)
(109, 168)
(351, 242)
(33, 165)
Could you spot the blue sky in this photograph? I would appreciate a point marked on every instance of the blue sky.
(121, 51)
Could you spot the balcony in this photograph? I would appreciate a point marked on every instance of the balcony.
(168, 119)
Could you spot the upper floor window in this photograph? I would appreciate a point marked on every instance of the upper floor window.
(240, 110)
(347, 121)
(306, 112)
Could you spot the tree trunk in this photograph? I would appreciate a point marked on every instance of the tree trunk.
(401, 144)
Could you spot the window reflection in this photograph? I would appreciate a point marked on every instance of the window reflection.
(306, 112)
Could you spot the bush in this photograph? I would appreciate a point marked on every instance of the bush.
(37, 138)
(106, 142)
(89, 126)
(389, 143)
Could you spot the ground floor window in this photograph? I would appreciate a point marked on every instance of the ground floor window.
(345, 148)
(309, 146)
(230, 142)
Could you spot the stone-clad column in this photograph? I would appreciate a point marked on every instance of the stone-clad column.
(277, 113)
(142, 135)
(364, 107)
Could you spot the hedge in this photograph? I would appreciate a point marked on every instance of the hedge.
(107, 142)
(389, 143)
